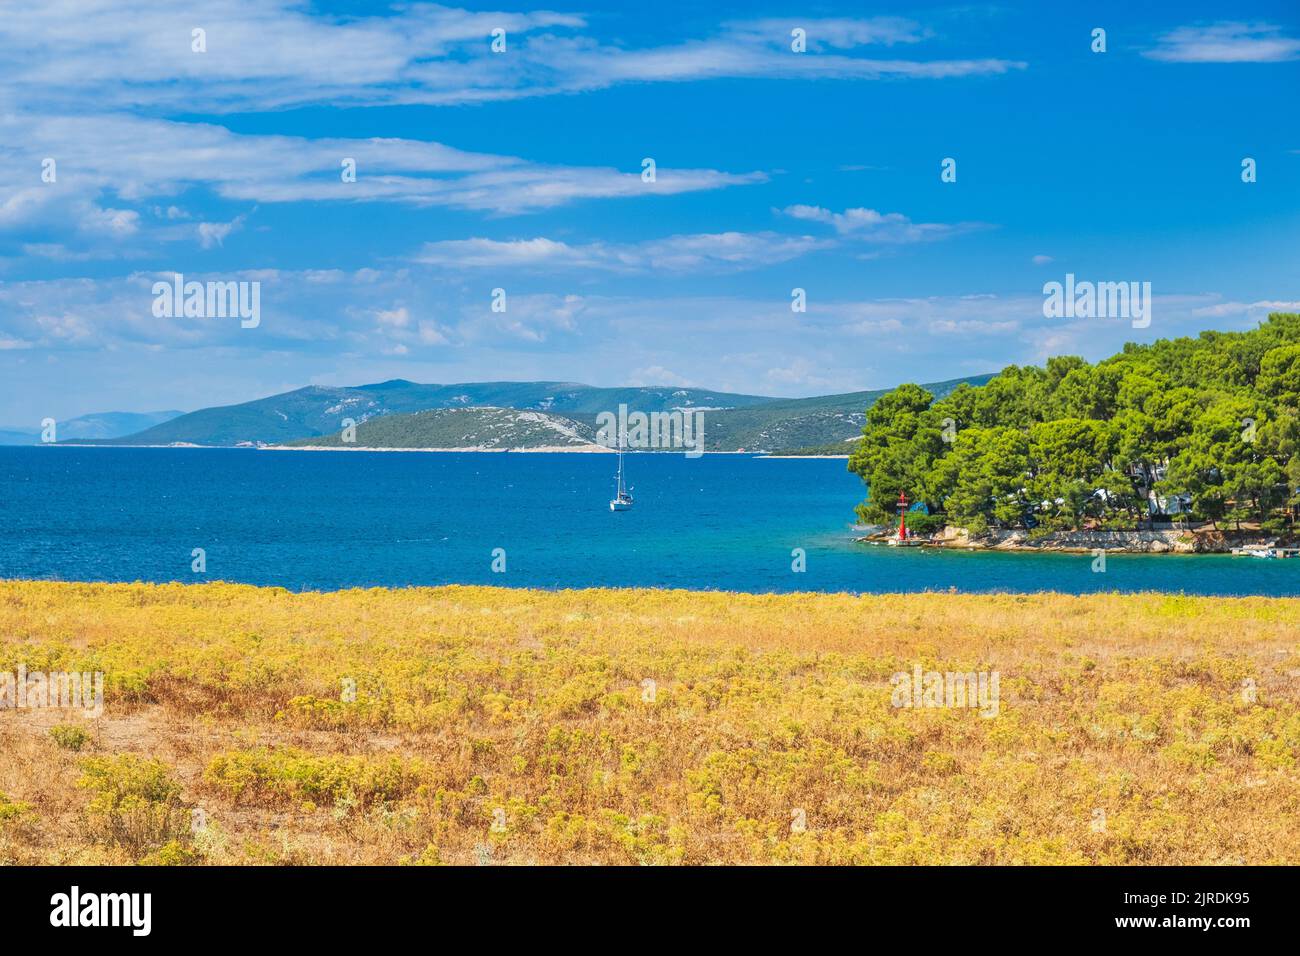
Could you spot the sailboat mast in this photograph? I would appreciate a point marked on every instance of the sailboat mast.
(622, 500)
(620, 465)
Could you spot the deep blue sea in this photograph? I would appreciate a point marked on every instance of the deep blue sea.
(327, 520)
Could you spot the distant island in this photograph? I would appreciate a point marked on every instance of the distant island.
(399, 414)
(1196, 431)
(94, 427)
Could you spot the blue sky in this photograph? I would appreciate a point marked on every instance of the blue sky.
(521, 170)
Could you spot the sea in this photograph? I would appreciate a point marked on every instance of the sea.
(332, 520)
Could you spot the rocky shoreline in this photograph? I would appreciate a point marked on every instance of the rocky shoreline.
(1172, 541)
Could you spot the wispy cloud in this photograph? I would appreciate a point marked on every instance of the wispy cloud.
(99, 163)
(1257, 310)
(685, 253)
(258, 53)
(703, 252)
(273, 54)
(829, 33)
(1226, 43)
(869, 225)
(762, 49)
(366, 325)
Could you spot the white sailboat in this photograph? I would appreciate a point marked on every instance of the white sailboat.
(622, 499)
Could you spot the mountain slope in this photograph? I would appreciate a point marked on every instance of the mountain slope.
(461, 428)
(797, 422)
(320, 410)
(731, 421)
(306, 411)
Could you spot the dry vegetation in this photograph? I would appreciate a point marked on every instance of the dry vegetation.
(510, 726)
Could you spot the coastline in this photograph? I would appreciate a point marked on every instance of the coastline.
(541, 449)
(538, 449)
(548, 449)
(1170, 541)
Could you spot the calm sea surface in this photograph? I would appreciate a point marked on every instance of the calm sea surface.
(325, 520)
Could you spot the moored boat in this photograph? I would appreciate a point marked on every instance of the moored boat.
(622, 500)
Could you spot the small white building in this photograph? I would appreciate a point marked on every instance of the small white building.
(1176, 504)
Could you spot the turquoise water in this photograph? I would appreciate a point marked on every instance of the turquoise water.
(325, 520)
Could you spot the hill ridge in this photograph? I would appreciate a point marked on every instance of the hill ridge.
(735, 421)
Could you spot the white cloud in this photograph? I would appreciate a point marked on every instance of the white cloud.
(116, 223)
(430, 334)
(398, 318)
(336, 312)
(840, 33)
(492, 253)
(658, 375)
(1226, 43)
(264, 53)
(100, 157)
(215, 233)
(762, 49)
(1258, 309)
(89, 335)
(1041, 260)
(273, 54)
(800, 375)
(66, 327)
(872, 226)
(58, 252)
(688, 253)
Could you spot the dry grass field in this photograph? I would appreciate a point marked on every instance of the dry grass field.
(468, 725)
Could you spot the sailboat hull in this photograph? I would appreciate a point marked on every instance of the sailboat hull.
(620, 506)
